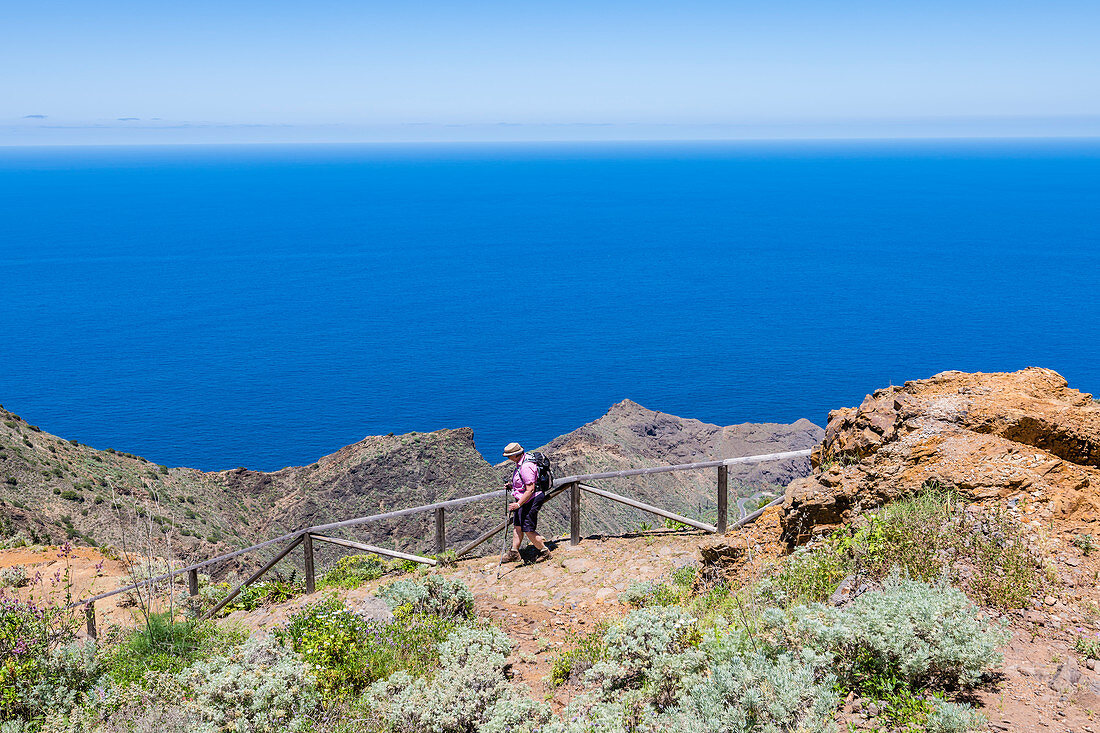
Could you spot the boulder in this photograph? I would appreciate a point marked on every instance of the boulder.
(1019, 435)
(1066, 677)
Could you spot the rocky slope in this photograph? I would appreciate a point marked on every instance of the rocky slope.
(1025, 437)
(52, 489)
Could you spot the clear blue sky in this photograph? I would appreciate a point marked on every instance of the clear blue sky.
(337, 62)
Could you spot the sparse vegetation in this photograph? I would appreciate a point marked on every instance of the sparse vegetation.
(1084, 543)
(578, 658)
(926, 536)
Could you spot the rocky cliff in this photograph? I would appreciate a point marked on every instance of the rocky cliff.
(1025, 437)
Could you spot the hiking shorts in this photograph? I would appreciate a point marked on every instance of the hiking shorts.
(527, 516)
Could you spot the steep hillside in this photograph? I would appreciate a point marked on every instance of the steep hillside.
(52, 489)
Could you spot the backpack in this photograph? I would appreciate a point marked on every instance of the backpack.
(546, 474)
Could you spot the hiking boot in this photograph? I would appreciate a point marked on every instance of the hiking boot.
(512, 556)
(543, 556)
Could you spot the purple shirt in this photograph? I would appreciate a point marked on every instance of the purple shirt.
(527, 473)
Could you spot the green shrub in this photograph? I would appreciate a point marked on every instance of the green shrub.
(1006, 570)
(925, 535)
(251, 597)
(809, 574)
(1087, 648)
(583, 652)
(435, 596)
(649, 593)
(351, 571)
(266, 593)
(675, 591)
(348, 652)
(1084, 543)
(72, 496)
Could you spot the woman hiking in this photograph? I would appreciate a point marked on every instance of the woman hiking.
(527, 501)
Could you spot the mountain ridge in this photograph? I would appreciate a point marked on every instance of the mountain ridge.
(53, 489)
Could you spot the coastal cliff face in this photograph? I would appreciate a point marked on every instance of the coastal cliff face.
(52, 489)
(1025, 437)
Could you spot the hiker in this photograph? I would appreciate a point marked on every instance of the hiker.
(528, 499)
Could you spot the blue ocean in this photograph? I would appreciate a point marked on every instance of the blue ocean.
(265, 305)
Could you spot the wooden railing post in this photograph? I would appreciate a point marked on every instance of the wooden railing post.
(575, 513)
(440, 530)
(311, 583)
(193, 582)
(723, 498)
(89, 616)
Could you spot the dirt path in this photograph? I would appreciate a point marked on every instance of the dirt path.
(544, 606)
(74, 573)
(541, 606)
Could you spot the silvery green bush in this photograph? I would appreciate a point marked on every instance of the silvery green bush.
(653, 649)
(470, 643)
(436, 595)
(757, 693)
(258, 686)
(65, 673)
(156, 705)
(722, 687)
(14, 576)
(949, 717)
(468, 694)
(628, 712)
(924, 634)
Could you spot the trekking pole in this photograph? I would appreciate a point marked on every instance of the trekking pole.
(508, 520)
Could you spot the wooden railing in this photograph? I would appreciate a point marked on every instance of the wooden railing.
(574, 485)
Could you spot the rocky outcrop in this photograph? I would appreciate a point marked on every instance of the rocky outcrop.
(1024, 437)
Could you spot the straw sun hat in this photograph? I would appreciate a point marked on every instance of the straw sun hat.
(512, 449)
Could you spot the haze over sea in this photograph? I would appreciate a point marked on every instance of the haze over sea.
(264, 305)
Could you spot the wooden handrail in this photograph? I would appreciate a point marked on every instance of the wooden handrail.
(559, 485)
(683, 467)
(649, 508)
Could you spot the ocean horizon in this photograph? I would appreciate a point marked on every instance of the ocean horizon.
(256, 305)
